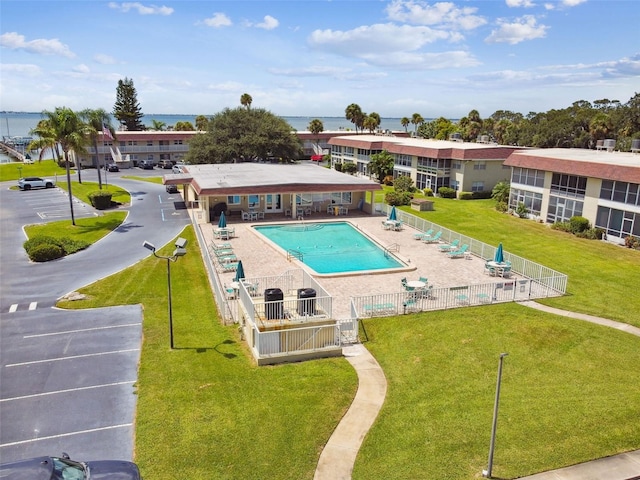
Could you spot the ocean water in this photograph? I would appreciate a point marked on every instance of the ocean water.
(19, 124)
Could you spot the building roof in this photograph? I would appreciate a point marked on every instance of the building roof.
(619, 166)
(258, 178)
(430, 148)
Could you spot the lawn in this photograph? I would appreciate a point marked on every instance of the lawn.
(82, 191)
(89, 229)
(204, 409)
(144, 179)
(569, 387)
(45, 168)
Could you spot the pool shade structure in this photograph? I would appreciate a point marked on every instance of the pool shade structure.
(222, 223)
(239, 272)
(393, 215)
(499, 257)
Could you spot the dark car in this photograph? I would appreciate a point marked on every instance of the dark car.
(172, 189)
(165, 164)
(146, 165)
(54, 468)
(111, 167)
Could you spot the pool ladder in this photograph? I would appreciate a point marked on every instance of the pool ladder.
(394, 247)
(294, 254)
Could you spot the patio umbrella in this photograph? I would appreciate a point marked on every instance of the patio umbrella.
(239, 272)
(499, 257)
(222, 223)
(392, 215)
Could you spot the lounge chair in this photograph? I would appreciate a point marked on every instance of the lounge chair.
(219, 246)
(421, 235)
(460, 253)
(433, 239)
(451, 247)
(228, 267)
(223, 252)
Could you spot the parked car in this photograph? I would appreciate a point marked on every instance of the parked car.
(146, 165)
(172, 189)
(111, 167)
(177, 169)
(54, 468)
(28, 183)
(165, 164)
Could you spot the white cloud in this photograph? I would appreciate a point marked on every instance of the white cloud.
(26, 69)
(226, 87)
(378, 39)
(524, 28)
(81, 68)
(42, 46)
(104, 59)
(424, 61)
(520, 3)
(269, 23)
(218, 20)
(418, 12)
(572, 3)
(142, 9)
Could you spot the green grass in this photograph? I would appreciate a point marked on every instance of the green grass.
(569, 387)
(82, 191)
(46, 168)
(569, 393)
(204, 409)
(90, 229)
(144, 179)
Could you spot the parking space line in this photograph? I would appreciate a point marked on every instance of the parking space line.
(78, 389)
(62, 435)
(33, 305)
(13, 308)
(80, 330)
(73, 357)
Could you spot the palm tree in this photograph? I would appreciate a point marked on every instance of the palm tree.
(158, 125)
(404, 121)
(417, 120)
(354, 114)
(316, 127)
(202, 124)
(245, 100)
(96, 121)
(68, 130)
(46, 140)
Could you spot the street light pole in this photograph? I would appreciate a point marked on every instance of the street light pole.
(487, 473)
(180, 251)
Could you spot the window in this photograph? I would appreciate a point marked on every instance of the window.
(526, 176)
(568, 185)
(341, 198)
(403, 160)
(233, 200)
(254, 200)
(177, 142)
(149, 143)
(132, 143)
(561, 209)
(531, 200)
(150, 157)
(477, 187)
(479, 165)
(456, 165)
(618, 223)
(622, 192)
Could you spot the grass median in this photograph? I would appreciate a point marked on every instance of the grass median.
(88, 229)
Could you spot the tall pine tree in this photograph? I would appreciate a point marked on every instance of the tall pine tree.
(127, 109)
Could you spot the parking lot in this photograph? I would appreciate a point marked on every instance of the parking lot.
(53, 204)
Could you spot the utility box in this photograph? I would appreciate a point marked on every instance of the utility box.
(306, 301)
(273, 307)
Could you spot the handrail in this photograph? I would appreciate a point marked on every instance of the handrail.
(291, 253)
(394, 247)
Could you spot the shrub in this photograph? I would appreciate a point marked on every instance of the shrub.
(502, 207)
(100, 199)
(484, 194)
(561, 226)
(38, 240)
(428, 192)
(72, 246)
(591, 234)
(465, 196)
(388, 180)
(46, 252)
(632, 242)
(522, 211)
(338, 167)
(578, 224)
(349, 168)
(447, 192)
(404, 184)
(398, 198)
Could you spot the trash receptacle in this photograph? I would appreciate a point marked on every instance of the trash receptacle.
(274, 308)
(306, 301)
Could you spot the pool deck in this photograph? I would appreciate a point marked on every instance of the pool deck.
(261, 259)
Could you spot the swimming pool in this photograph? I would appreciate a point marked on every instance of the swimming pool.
(330, 248)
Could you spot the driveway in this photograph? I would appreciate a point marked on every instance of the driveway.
(67, 377)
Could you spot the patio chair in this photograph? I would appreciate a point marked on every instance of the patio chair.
(451, 247)
(424, 279)
(434, 239)
(223, 253)
(219, 246)
(245, 215)
(398, 226)
(230, 291)
(460, 253)
(421, 235)
(229, 267)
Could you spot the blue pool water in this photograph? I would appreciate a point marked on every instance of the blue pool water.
(327, 248)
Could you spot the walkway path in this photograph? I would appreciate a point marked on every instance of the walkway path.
(339, 454)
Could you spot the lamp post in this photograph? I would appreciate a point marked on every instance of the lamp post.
(487, 473)
(180, 251)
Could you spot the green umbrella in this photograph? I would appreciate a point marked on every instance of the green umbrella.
(239, 272)
(222, 223)
(499, 257)
(392, 215)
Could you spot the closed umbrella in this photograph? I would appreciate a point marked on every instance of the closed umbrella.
(239, 272)
(499, 257)
(392, 215)
(222, 223)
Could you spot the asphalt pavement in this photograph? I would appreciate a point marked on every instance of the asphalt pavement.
(67, 377)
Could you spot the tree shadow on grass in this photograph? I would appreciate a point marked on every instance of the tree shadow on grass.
(216, 348)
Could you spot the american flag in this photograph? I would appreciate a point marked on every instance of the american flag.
(106, 132)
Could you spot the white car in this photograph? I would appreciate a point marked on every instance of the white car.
(178, 168)
(28, 183)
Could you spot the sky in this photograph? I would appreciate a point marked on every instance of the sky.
(315, 57)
